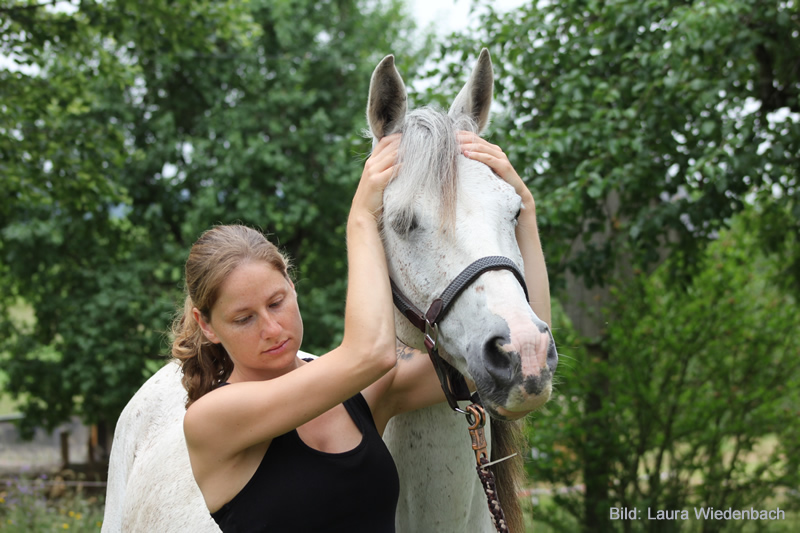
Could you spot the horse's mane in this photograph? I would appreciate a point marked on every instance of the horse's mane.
(508, 438)
(427, 158)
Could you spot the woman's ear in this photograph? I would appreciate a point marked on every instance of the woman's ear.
(208, 331)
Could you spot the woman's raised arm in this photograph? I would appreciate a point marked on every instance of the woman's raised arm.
(229, 420)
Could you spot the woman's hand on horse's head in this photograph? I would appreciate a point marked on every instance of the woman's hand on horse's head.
(478, 149)
(378, 170)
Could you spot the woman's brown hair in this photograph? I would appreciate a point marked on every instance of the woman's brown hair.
(212, 258)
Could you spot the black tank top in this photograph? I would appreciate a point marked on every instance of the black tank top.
(299, 489)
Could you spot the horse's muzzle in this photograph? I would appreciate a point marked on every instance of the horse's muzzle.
(518, 375)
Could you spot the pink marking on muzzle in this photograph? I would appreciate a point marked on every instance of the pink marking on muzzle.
(531, 345)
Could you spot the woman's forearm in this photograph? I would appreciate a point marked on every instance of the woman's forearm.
(527, 232)
(369, 317)
(535, 270)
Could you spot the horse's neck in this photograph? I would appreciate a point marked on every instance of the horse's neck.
(439, 487)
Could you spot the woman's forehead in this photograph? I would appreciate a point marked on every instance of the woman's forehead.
(250, 282)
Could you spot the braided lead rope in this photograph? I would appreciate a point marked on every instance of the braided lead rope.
(476, 417)
(498, 517)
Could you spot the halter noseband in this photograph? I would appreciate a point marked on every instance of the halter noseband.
(453, 384)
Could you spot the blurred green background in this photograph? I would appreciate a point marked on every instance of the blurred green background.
(659, 137)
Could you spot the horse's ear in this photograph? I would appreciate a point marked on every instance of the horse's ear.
(475, 98)
(386, 107)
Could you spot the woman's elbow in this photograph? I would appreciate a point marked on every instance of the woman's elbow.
(379, 355)
(388, 356)
(383, 355)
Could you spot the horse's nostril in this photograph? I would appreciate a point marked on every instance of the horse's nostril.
(497, 360)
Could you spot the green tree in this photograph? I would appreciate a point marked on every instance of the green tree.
(678, 110)
(143, 124)
(642, 128)
(704, 388)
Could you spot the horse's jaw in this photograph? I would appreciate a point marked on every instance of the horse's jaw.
(407, 333)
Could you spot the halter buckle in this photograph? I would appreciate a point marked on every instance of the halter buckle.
(431, 336)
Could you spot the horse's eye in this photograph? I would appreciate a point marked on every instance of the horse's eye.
(516, 217)
(404, 225)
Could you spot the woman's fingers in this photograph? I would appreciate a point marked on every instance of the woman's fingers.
(384, 157)
(471, 142)
(481, 150)
(492, 155)
(378, 170)
(476, 148)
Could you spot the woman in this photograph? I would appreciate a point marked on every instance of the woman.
(264, 428)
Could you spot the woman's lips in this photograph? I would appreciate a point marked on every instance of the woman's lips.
(277, 348)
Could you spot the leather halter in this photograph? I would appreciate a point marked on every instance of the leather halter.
(453, 384)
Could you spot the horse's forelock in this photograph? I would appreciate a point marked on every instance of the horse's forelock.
(427, 157)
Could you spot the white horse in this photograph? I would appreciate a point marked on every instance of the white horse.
(441, 213)
(432, 230)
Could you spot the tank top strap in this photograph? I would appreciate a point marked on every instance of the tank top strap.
(359, 410)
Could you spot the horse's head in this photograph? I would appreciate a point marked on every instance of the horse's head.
(441, 213)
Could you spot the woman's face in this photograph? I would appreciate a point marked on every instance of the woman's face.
(257, 320)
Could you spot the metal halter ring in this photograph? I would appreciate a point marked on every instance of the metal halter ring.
(476, 416)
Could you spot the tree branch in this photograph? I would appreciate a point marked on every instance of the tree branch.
(771, 97)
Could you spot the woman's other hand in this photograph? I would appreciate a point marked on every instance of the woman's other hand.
(478, 149)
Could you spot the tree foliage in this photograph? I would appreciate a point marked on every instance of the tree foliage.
(138, 125)
(703, 393)
(680, 110)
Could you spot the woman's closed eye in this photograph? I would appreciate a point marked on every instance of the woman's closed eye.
(242, 320)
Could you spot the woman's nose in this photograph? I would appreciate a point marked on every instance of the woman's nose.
(270, 327)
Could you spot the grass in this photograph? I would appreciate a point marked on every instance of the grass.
(751, 461)
(534, 513)
(39, 504)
